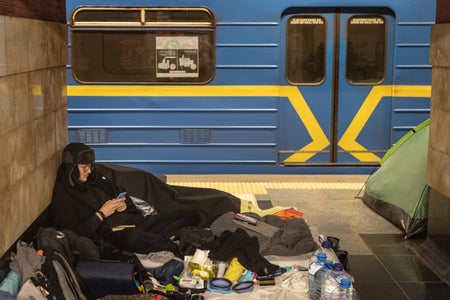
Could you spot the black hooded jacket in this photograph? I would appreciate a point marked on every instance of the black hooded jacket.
(74, 207)
(74, 204)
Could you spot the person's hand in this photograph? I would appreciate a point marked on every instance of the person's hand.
(113, 205)
(122, 206)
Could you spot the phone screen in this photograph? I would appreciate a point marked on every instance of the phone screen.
(121, 195)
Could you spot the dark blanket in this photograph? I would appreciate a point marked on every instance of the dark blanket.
(245, 248)
(210, 203)
(292, 238)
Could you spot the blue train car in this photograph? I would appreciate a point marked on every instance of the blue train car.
(242, 86)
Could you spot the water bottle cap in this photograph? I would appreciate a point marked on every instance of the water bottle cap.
(321, 256)
(338, 267)
(329, 264)
(326, 244)
(345, 283)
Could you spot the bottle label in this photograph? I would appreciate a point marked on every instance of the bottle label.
(314, 267)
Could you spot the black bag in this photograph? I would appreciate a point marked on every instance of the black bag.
(58, 275)
(48, 238)
(109, 277)
(117, 272)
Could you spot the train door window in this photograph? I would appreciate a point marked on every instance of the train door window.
(366, 49)
(305, 57)
(143, 45)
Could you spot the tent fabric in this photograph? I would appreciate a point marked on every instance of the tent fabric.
(403, 139)
(398, 190)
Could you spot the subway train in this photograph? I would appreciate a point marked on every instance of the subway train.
(242, 86)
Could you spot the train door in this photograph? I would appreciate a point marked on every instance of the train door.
(335, 58)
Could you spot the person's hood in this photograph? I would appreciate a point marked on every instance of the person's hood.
(74, 154)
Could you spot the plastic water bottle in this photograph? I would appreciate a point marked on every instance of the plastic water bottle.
(337, 285)
(348, 290)
(318, 269)
(326, 248)
(343, 291)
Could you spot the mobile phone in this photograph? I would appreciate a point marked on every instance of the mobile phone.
(121, 195)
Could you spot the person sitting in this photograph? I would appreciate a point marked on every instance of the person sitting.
(85, 201)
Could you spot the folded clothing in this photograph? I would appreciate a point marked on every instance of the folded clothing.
(154, 260)
(165, 273)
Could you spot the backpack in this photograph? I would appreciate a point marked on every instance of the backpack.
(58, 275)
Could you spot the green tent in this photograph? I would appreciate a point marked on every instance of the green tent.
(398, 190)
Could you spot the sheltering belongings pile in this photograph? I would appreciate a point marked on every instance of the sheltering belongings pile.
(241, 252)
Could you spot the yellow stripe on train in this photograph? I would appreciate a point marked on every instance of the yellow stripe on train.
(319, 139)
(348, 140)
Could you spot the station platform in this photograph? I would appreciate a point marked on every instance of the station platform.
(383, 263)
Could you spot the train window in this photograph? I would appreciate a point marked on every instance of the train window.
(143, 45)
(113, 16)
(366, 49)
(176, 15)
(305, 57)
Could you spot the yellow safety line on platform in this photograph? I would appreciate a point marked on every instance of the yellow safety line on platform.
(262, 187)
